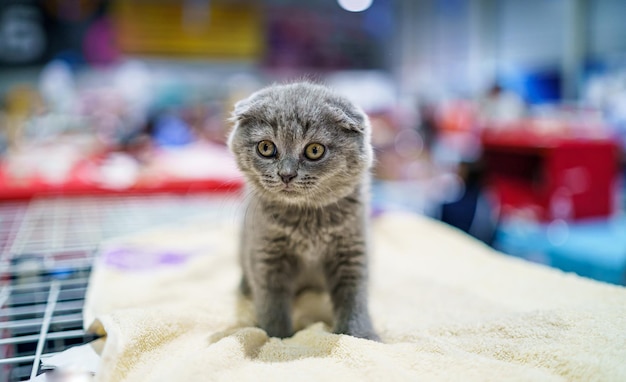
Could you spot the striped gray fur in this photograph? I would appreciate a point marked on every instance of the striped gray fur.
(308, 232)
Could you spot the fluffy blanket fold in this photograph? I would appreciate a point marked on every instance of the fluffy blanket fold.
(446, 307)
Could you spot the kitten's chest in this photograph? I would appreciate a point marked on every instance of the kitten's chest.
(310, 235)
(316, 224)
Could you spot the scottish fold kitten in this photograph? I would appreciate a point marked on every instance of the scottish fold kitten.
(306, 155)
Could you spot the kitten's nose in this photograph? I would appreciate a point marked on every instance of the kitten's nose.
(287, 176)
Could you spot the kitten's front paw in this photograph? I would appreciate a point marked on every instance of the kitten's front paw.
(275, 326)
(372, 336)
(278, 332)
(359, 331)
(368, 335)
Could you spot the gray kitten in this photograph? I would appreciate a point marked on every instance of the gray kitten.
(306, 154)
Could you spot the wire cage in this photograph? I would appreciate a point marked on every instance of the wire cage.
(47, 248)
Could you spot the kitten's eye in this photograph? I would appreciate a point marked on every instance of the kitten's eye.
(266, 149)
(314, 151)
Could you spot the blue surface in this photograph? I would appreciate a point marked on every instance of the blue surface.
(594, 249)
(535, 86)
(170, 130)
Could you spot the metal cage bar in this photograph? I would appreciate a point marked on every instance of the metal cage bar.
(47, 247)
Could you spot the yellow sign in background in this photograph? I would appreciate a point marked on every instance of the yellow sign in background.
(209, 29)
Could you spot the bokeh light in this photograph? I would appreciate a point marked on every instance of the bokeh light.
(355, 5)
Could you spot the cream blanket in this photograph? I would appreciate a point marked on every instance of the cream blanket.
(446, 307)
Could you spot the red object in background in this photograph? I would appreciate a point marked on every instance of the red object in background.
(79, 186)
(76, 188)
(552, 176)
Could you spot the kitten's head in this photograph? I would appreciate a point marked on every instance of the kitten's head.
(301, 144)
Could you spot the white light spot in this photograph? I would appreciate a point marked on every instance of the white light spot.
(558, 232)
(408, 144)
(355, 5)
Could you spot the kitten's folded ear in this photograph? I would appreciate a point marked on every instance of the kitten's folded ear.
(242, 110)
(350, 118)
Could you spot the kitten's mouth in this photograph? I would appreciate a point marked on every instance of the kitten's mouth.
(287, 190)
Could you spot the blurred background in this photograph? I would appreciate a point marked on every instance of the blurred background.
(503, 118)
